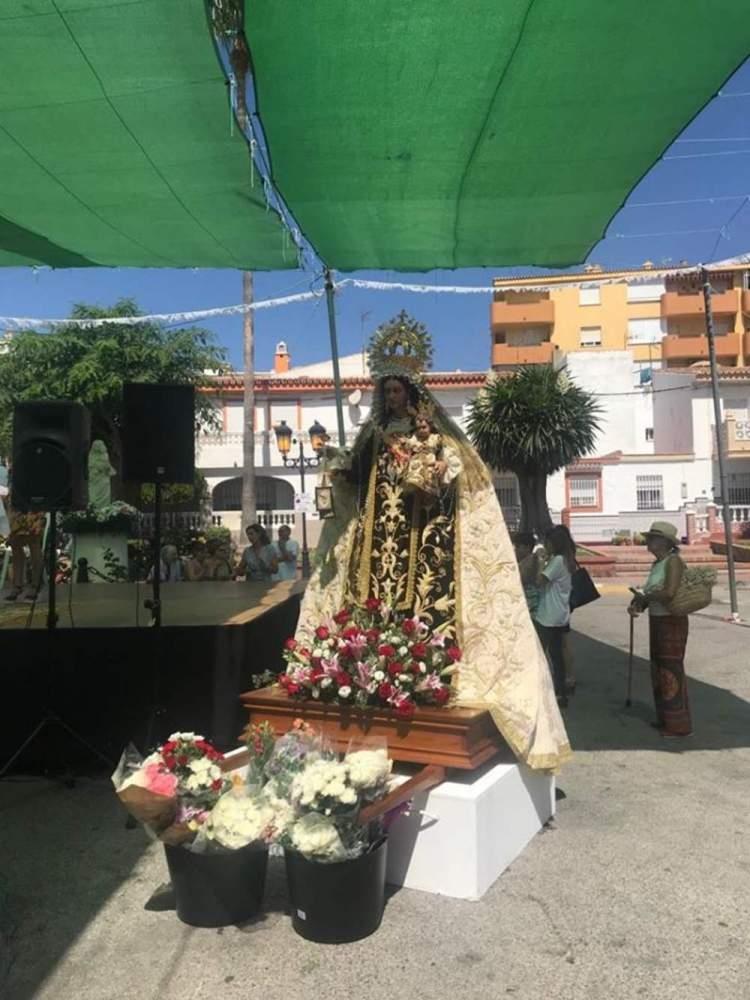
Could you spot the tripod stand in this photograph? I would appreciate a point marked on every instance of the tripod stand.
(153, 604)
(49, 716)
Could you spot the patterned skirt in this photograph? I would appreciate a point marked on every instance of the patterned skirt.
(668, 636)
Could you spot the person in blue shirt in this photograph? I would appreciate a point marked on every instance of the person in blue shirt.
(287, 553)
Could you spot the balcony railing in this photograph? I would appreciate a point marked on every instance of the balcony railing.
(746, 302)
(689, 349)
(190, 520)
(533, 354)
(686, 304)
(510, 312)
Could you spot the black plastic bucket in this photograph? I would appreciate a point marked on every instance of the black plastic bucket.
(335, 903)
(216, 890)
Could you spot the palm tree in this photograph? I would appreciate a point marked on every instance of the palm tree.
(533, 422)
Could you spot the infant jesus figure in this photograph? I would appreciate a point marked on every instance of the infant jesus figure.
(426, 468)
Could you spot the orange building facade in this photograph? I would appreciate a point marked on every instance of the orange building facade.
(655, 314)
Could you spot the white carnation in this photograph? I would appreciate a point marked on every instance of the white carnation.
(238, 819)
(345, 691)
(317, 835)
(368, 768)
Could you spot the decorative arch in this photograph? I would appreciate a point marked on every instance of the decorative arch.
(271, 494)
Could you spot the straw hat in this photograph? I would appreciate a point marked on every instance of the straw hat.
(663, 529)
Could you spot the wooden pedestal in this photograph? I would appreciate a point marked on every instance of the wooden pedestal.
(450, 737)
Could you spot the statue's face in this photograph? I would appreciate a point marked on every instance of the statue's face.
(396, 397)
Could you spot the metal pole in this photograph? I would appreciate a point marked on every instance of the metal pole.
(726, 513)
(335, 359)
(52, 570)
(305, 552)
(155, 604)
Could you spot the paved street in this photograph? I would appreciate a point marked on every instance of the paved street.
(638, 890)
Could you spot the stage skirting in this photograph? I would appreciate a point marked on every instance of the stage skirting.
(103, 676)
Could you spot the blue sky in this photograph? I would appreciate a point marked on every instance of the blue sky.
(693, 205)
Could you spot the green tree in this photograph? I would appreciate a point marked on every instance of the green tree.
(533, 422)
(90, 364)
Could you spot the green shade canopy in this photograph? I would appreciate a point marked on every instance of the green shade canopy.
(454, 133)
(115, 144)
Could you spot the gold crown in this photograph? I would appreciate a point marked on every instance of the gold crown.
(401, 347)
(425, 410)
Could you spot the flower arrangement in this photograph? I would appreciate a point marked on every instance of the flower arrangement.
(112, 518)
(372, 657)
(174, 789)
(314, 796)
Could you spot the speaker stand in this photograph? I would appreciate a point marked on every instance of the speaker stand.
(49, 716)
(153, 604)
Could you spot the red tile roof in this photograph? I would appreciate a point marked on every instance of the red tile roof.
(265, 382)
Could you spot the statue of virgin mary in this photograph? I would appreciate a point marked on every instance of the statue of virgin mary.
(441, 551)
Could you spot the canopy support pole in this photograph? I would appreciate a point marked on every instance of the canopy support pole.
(720, 457)
(335, 357)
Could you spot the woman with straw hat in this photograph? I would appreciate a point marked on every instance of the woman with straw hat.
(668, 632)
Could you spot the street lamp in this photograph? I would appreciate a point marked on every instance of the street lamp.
(284, 442)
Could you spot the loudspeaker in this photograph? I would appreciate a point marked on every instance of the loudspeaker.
(158, 433)
(51, 441)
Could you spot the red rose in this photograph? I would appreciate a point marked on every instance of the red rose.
(372, 635)
(372, 604)
(408, 626)
(394, 668)
(385, 690)
(216, 784)
(453, 653)
(405, 709)
(290, 644)
(182, 759)
(419, 650)
(386, 651)
(343, 679)
(442, 695)
(316, 675)
(293, 688)
(350, 633)
(169, 762)
(169, 746)
(322, 632)
(342, 617)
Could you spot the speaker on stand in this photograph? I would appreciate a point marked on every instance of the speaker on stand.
(158, 446)
(51, 440)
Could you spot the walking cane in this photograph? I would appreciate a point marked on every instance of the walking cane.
(628, 700)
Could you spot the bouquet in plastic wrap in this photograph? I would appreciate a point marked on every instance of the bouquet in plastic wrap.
(174, 789)
(326, 795)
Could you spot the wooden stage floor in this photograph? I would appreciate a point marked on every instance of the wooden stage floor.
(120, 605)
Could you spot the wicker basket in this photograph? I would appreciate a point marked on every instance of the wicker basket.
(694, 591)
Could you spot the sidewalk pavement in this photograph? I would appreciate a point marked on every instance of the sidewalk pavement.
(637, 890)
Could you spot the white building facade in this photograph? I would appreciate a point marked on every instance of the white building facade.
(300, 396)
(655, 456)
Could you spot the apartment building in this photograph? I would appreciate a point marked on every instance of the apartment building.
(657, 316)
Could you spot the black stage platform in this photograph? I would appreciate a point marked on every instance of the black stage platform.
(103, 675)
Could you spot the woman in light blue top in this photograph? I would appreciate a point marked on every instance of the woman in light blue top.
(259, 560)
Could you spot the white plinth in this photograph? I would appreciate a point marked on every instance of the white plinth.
(464, 833)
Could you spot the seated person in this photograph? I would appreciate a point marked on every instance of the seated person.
(287, 552)
(259, 561)
(195, 563)
(218, 562)
(170, 566)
